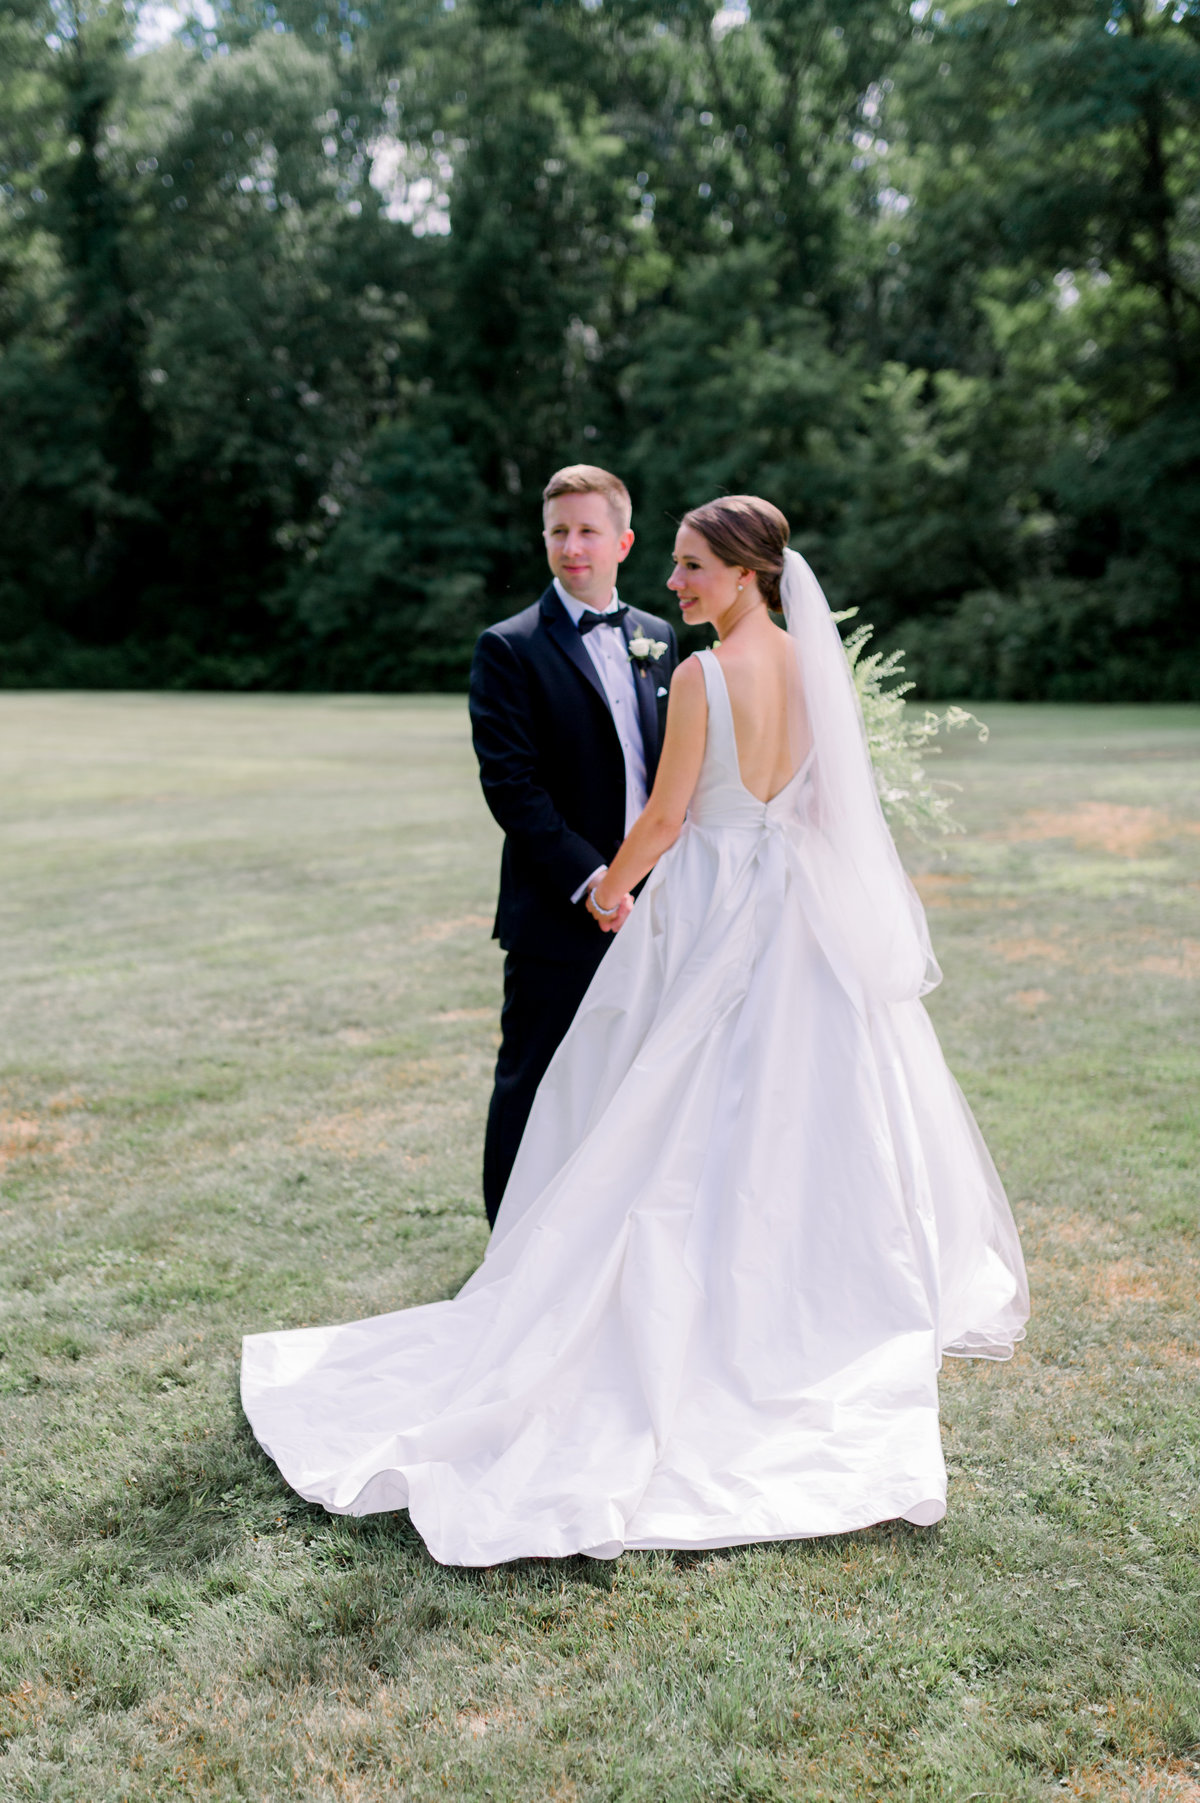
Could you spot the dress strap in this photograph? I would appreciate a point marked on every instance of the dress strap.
(721, 736)
(719, 711)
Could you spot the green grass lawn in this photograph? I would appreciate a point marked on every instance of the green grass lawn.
(249, 1011)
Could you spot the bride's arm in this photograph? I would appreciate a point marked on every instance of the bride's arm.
(661, 820)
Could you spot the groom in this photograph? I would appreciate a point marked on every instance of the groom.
(568, 703)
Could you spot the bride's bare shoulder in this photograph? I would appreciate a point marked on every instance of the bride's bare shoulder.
(687, 702)
(689, 676)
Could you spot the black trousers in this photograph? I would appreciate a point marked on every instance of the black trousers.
(540, 1001)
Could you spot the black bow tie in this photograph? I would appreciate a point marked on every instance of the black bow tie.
(588, 619)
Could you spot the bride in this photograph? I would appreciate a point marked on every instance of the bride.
(751, 1210)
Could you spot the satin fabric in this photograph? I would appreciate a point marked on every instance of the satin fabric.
(749, 1213)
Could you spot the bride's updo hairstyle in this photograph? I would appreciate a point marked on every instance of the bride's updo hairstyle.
(747, 533)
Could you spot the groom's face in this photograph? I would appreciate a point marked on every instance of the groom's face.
(584, 546)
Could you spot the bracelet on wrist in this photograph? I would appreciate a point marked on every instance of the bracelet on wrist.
(607, 912)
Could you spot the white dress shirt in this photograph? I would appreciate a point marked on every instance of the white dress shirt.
(610, 658)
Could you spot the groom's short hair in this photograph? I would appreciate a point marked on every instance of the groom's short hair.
(590, 479)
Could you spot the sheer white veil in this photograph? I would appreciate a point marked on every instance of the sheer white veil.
(870, 908)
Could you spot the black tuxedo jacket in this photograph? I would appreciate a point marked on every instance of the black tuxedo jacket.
(552, 770)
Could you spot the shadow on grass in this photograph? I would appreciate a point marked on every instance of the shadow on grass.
(192, 1507)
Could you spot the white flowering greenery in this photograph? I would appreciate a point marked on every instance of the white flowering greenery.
(900, 739)
(643, 650)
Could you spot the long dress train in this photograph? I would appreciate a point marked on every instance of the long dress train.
(750, 1212)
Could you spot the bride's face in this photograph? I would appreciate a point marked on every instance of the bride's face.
(706, 588)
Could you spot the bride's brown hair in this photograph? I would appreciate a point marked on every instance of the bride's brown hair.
(748, 532)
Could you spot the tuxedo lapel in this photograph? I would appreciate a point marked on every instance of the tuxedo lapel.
(562, 629)
(645, 683)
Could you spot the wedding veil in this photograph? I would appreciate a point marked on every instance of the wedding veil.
(870, 908)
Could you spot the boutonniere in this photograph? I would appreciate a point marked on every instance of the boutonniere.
(643, 651)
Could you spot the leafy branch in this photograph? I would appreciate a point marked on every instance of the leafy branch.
(900, 741)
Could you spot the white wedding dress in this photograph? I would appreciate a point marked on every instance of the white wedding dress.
(750, 1212)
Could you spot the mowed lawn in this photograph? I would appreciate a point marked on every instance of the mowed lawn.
(248, 1004)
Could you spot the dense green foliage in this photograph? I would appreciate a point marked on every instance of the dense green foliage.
(298, 309)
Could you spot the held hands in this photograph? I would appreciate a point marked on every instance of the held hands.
(608, 923)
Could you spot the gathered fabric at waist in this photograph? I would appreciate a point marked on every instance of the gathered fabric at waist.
(742, 814)
(721, 802)
(771, 855)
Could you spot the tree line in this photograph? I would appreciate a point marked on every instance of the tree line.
(299, 307)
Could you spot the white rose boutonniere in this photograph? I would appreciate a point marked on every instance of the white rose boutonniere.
(645, 651)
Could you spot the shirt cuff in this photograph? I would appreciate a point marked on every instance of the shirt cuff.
(589, 882)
